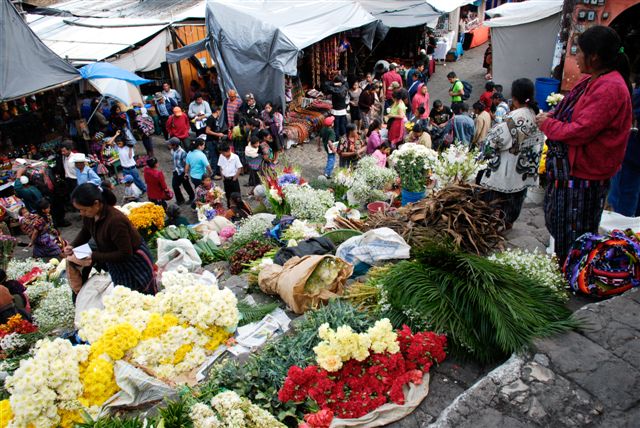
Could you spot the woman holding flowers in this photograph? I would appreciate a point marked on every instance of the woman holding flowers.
(513, 149)
(207, 193)
(120, 250)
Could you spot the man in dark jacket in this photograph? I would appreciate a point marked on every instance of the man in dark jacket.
(366, 100)
(339, 91)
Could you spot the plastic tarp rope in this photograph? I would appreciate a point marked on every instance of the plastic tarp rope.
(27, 65)
(255, 43)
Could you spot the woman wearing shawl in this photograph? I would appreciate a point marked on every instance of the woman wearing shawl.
(421, 99)
(587, 135)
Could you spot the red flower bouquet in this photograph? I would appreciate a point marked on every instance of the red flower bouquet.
(16, 324)
(360, 387)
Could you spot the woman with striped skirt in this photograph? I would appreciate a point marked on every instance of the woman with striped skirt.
(587, 136)
(120, 251)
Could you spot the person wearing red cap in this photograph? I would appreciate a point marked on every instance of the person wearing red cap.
(328, 138)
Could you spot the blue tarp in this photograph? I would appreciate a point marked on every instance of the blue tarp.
(102, 70)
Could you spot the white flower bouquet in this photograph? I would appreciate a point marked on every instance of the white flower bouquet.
(554, 99)
(228, 409)
(369, 181)
(308, 203)
(300, 230)
(457, 163)
(539, 267)
(411, 162)
(251, 229)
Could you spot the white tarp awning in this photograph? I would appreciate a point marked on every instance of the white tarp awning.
(402, 13)
(83, 40)
(255, 43)
(446, 6)
(510, 14)
(147, 57)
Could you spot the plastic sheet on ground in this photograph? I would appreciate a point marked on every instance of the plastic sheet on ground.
(390, 412)
(172, 254)
(137, 387)
(290, 282)
(613, 221)
(92, 292)
(256, 334)
(374, 246)
(216, 224)
(311, 247)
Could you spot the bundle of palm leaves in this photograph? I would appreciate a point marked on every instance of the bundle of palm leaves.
(456, 212)
(487, 310)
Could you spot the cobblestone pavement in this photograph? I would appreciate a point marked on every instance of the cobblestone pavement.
(584, 378)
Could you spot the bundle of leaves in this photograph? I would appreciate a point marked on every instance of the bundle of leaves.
(488, 310)
(263, 374)
(456, 212)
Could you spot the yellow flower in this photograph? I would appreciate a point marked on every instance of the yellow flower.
(5, 413)
(98, 381)
(330, 363)
(181, 353)
(159, 325)
(69, 418)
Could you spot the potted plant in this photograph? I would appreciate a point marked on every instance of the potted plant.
(411, 162)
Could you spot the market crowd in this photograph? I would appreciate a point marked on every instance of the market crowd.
(584, 139)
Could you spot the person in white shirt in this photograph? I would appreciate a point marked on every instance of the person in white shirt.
(127, 154)
(171, 95)
(230, 168)
(199, 111)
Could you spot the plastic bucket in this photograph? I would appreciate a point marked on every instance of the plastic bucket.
(378, 206)
(411, 197)
(544, 87)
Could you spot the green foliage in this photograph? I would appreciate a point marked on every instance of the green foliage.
(320, 184)
(262, 375)
(114, 422)
(176, 415)
(487, 310)
(252, 313)
(340, 235)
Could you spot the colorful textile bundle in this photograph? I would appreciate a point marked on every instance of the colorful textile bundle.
(604, 265)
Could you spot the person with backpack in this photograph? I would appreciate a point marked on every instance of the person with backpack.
(457, 89)
(146, 128)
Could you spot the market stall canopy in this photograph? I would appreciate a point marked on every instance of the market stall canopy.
(510, 14)
(114, 82)
(402, 13)
(87, 40)
(187, 51)
(523, 36)
(256, 43)
(29, 66)
(446, 6)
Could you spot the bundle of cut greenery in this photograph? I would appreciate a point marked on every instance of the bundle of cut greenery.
(488, 310)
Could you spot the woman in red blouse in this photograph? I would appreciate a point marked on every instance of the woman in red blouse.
(157, 189)
(587, 137)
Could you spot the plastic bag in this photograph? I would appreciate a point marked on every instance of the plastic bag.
(613, 221)
(290, 281)
(216, 224)
(92, 292)
(172, 254)
(137, 387)
(374, 246)
(390, 412)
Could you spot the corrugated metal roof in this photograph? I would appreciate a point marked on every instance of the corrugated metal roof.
(158, 9)
(92, 39)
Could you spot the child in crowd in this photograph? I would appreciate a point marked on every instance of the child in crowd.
(381, 154)
(131, 192)
(231, 168)
(254, 160)
(485, 98)
(328, 140)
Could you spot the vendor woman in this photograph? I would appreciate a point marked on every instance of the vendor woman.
(120, 248)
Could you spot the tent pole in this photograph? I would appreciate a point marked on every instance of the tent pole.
(96, 109)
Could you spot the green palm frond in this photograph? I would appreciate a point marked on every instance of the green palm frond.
(252, 313)
(487, 310)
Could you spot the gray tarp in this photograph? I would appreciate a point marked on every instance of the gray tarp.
(402, 13)
(187, 51)
(27, 66)
(524, 50)
(255, 43)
